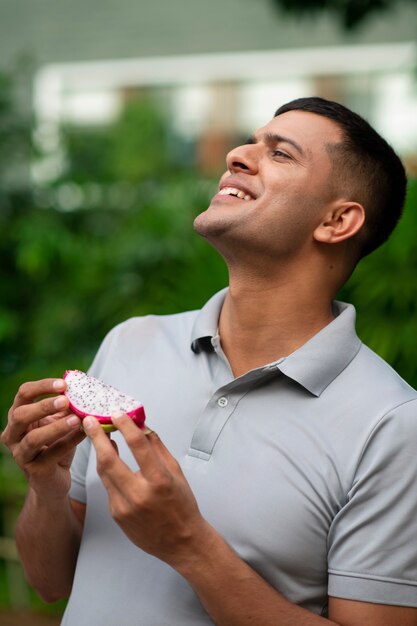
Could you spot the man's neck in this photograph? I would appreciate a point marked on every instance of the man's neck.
(264, 320)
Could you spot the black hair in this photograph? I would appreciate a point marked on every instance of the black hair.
(365, 166)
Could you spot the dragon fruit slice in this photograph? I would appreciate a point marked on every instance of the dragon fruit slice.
(89, 396)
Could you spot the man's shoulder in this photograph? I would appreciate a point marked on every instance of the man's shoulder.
(149, 322)
(380, 380)
(151, 328)
(184, 326)
(143, 339)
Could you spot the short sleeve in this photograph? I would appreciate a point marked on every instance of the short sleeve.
(372, 552)
(79, 471)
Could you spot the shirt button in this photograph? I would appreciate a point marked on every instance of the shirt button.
(222, 401)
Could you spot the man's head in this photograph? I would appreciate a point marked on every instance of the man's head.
(310, 177)
(365, 168)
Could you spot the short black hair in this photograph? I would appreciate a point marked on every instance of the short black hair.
(366, 166)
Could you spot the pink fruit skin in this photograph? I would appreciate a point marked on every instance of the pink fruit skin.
(137, 415)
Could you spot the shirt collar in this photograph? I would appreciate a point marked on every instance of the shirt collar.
(206, 323)
(315, 364)
(323, 357)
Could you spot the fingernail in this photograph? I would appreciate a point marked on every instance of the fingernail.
(58, 384)
(118, 414)
(72, 420)
(59, 403)
(88, 423)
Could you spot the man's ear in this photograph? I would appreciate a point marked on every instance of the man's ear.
(342, 223)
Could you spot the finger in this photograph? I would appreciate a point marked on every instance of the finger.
(148, 461)
(37, 439)
(54, 417)
(114, 473)
(115, 446)
(61, 448)
(25, 415)
(117, 505)
(44, 421)
(29, 391)
(163, 452)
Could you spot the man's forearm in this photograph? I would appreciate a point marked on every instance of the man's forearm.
(233, 594)
(48, 536)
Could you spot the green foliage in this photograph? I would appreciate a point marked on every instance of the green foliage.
(384, 290)
(351, 13)
(132, 150)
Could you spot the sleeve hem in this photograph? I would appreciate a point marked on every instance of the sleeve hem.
(77, 492)
(367, 588)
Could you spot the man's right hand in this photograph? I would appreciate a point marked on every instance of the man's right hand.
(42, 435)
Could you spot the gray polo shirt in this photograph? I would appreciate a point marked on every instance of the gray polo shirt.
(307, 466)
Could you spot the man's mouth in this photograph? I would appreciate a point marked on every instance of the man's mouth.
(232, 191)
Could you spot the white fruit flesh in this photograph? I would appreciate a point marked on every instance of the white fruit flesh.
(90, 396)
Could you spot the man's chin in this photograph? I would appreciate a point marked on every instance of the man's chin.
(209, 226)
(202, 223)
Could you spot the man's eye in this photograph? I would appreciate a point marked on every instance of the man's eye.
(280, 153)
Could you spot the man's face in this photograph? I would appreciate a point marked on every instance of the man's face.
(282, 177)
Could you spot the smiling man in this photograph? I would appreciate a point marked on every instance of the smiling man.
(284, 493)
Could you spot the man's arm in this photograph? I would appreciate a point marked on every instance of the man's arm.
(42, 436)
(48, 536)
(157, 511)
(234, 595)
(351, 613)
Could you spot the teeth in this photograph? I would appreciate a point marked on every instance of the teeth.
(232, 191)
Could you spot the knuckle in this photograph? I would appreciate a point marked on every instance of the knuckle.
(23, 391)
(4, 436)
(104, 463)
(16, 417)
(129, 507)
(134, 439)
(113, 510)
(46, 406)
(138, 501)
(120, 512)
(162, 484)
(30, 440)
(16, 454)
(176, 468)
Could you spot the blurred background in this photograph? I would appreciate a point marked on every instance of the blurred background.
(115, 118)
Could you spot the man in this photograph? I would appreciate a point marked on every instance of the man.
(285, 490)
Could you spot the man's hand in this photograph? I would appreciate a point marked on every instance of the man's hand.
(42, 436)
(154, 506)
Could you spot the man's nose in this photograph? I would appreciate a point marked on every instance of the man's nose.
(243, 158)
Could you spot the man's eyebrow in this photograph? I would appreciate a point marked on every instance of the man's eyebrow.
(273, 139)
